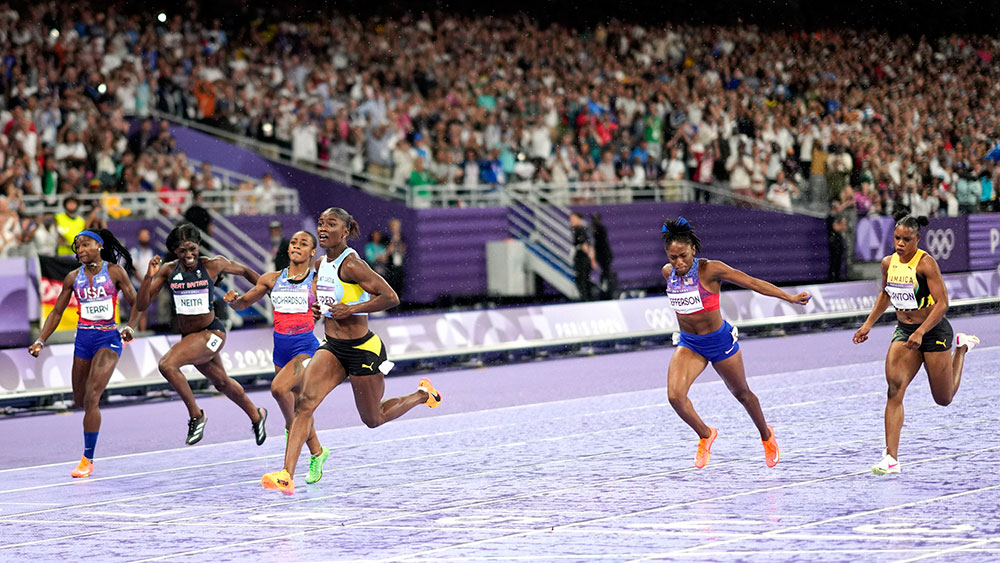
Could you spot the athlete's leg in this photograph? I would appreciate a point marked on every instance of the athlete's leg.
(215, 372)
(285, 387)
(191, 350)
(901, 366)
(733, 373)
(101, 368)
(368, 391)
(685, 366)
(80, 373)
(944, 372)
(322, 374)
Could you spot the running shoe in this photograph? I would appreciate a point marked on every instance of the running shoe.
(196, 429)
(968, 340)
(278, 481)
(771, 452)
(259, 430)
(85, 468)
(316, 466)
(433, 396)
(705, 449)
(887, 465)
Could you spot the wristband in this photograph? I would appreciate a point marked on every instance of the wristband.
(128, 328)
(39, 342)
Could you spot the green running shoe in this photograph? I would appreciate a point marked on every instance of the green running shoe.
(316, 466)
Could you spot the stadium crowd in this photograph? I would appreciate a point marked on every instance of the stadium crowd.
(830, 120)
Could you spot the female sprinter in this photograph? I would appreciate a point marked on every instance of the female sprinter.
(693, 286)
(98, 344)
(347, 289)
(912, 282)
(191, 279)
(292, 295)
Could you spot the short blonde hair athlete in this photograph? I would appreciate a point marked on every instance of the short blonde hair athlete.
(912, 282)
(347, 290)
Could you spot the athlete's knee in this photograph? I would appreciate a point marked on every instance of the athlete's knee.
(91, 401)
(894, 392)
(677, 398)
(166, 367)
(279, 390)
(372, 420)
(744, 396)
(306, 405)
(942, 398)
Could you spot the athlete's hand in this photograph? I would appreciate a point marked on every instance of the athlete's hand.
(35, 348)
(154, 266)
(317, 311)
(801, 298)
(230, 296)
(915, 340)
(128, 334)
(340, 311)
(861, 335)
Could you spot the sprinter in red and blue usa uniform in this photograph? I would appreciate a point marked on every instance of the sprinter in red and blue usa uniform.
(693, 287)
(292, 296)
(95, 285)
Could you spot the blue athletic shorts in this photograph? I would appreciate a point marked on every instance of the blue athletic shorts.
(714, 347)
(90, 340)
(287, 346)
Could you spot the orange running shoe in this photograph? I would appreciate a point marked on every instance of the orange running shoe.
(771, 452)
(705, 449)
(278, 481)
(433, 396)
(85, 468)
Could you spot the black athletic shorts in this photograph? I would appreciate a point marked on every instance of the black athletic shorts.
(361, 356)
(937, 339)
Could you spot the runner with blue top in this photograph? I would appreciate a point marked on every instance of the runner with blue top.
(95, 286)
(693, 288)
(292, 296)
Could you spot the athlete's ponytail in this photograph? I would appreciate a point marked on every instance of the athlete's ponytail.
(115, 252)
(680, 231)
(904, 219)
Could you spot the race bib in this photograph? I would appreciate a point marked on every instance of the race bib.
(102, 310)
(685, 302)
(290, 301)
(902, 296)
(191, 303)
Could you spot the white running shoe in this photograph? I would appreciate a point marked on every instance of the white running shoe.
(887, 465)
(969, 340)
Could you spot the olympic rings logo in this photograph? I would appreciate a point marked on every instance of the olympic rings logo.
(660, 318)
(940, 243)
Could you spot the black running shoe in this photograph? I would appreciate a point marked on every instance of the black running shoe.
(196, 429)
(259, 431)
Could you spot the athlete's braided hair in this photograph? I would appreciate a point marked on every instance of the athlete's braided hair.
(353, 230)
(904, 219)
(112, 250)
(680, 231)
(183, 233)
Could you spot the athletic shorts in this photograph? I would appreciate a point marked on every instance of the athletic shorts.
(937, 339)
(90, 340)
(714, 347)
(287, 346)
(361, 356)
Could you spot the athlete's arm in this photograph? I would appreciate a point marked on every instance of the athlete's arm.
(881, 304)
(717, 270)
(124, 283)
(151, 285)
(264, 285)
(666, 271)
(355, 270)
(928, 267)
(52, 321)
(223, 265)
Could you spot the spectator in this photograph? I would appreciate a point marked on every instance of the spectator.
(583, 257)
(396, 252)
(279, 246)
(68, 225)
(10, 230)
(603, 257)
(781, 192)
(375, 253)
(141, 255)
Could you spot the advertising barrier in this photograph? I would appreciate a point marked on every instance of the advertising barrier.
(407, 338)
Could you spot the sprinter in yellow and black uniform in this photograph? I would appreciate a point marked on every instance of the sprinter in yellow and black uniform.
(912, 282)
(347, 289)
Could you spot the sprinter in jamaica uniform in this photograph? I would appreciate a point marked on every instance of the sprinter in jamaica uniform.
(912, 283)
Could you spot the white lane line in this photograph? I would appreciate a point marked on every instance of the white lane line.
(956, 549)
(506, 537)
(400, 422)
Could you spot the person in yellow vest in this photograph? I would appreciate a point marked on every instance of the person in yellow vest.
(69, 224)
(912, 282)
